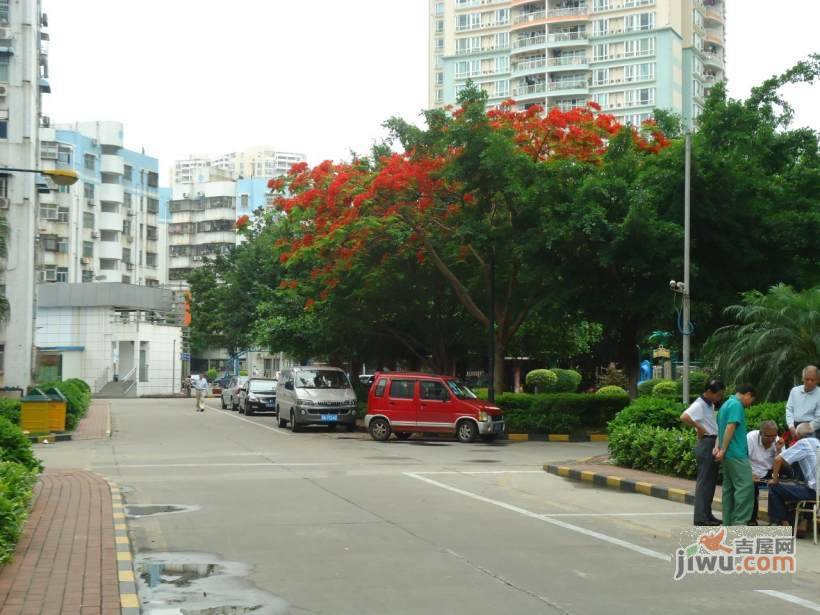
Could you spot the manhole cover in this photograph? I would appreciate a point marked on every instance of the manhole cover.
(137, 511)
(482, 461)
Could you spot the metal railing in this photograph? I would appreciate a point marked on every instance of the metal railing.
(485, 49)
(560, 37)
(529, 65)
(538, 88)
(569, 12)
(568, 60)
(530, 17)
(568, 84)
(529, 41)
(129, 375)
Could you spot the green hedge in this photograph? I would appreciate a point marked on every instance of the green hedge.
(542, 380)
(568, 380)
(14, 446)
(10, 409)
(558, 412)
(654, 449)
(16, 483)
(758, 413)
(78, 396)
(651, 411)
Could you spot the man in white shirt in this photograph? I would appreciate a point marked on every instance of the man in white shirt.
(200, 389)
(803, 453)
(804, 402)
(764, 445)
(701, 416)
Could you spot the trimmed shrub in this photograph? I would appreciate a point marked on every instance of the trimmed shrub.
(758, 413)
(610, 389)
(568, 380)
(211, 374)
(654, 449)
(14, 446)
(558, 412)
(542, 380)
(10, 409)
(661, 412)
(16, 483)
(697, 382)
(667, 388)
(645, 387)
(243, 372)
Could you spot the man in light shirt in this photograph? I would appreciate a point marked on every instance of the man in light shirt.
(804, 403)
(200, 390)
(701, 416)
(764, 446)
(803, 453)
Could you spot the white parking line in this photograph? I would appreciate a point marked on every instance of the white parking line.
(267, 464)
(239, 418)
(789, 598)
(546, 519)
(471, 472)
(597, 535)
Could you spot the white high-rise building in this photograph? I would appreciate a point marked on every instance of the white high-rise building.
(629, 56)
(23, 79)
(253, 162)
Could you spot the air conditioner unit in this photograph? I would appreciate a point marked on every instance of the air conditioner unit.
(130, 213)
(129, 239)
(90, 203)
(5, 33)
(85, 260)
(130, 266)
(185, 195)
(4, 90)
(95, 235)
(4, 202)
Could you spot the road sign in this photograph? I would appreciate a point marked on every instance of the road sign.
(185, 356)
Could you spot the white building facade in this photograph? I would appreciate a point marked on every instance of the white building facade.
(263, 162)
(23, 79)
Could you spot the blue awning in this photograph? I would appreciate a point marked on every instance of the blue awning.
(61, 348)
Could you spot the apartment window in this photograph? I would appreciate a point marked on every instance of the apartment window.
(151, 259)
(502, 40)
(48, 211)
(151, 233)
(126, 255)
(639, 47)
(4, 11)
(126, 279)
(89, 161)
(4, 129)
(110, 236)
(4, 68)
(245, 202)
(439, 97)
(62, 274)
(439, 26)
(502, 88)
(88, 220)
(110, 208)
(88, 249)
(600, 27)
(128, 173)
(63, 214)
(439, 44)
(439, 9)
(126, 227)
(643, 21)
(62, 245)
(126, 200)
(601, 76)
(4, 186)
(152, 205)
(439, 60)
(108, 264)
(502, 16)
(639, 72)
(439, 78)
(502, 64)
(48, 243)
(48, 273)
(600, 5)
(602, 99)
(64, 155)
(88, 190)
(88, 275)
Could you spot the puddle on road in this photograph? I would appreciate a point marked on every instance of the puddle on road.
(200, 584)
(483, 461)
(136, 511)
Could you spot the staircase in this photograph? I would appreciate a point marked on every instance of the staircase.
(117, 390)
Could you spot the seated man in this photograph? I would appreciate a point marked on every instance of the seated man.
(764, 446)
(804, 453)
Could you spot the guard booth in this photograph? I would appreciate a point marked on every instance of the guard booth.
(43, 412)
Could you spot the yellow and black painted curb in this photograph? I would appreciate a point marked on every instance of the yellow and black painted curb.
(129, 600)
(557, 437)
(628, 485)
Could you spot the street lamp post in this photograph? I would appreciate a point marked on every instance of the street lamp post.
(686, 331)
(61, 177)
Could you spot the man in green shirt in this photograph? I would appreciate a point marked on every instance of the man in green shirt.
(733, 453)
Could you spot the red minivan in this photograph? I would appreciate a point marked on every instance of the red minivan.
(403, 403)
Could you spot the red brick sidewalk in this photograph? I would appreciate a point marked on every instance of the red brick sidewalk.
(97, 422)
(66, 561)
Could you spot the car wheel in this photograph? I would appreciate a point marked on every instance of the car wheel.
(466, 431)
(234, 405)
(224, 405)
(405, 435)
(379, 430)
(248, 410)
(293, 426)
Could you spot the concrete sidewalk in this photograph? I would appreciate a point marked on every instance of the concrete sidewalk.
(68, 556)
(96, 424)
(601, 473)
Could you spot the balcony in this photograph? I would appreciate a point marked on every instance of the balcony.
(529, 43)
(619, 6)
(112, 164)
(110, 133)
(713, 59)
(529, 19)
(567, 39)
(109, 250)
(110, 221)
(482, 26)
(112, 193)
(485, 49)
(568, 87)
(715, 37)
(714, 14)
(530, 66)
(568, 63)
(530, 91)
(569, 14)
(474, 3)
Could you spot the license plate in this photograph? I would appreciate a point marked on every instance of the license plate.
(270, 404)
(329, 417)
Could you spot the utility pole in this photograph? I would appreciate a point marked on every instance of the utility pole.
(686, 331)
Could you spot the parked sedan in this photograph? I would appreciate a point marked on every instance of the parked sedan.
(257, 395)
(230, 394)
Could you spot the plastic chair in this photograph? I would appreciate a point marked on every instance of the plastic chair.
(810, 507)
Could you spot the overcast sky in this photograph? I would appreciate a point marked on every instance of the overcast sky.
(318, 77)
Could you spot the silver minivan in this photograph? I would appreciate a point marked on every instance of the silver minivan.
(315, 395)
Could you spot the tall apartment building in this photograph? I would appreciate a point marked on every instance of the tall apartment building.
(253, 162)
(106, 227)
(629, 56)
(23, 80)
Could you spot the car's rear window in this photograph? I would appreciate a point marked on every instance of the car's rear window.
(381, 385)
(263, 386)
(402, 389)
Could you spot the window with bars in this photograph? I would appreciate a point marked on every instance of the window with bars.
(88, 190)
(4, 186)
(63, 214)
(90, 162)
(4, 11)
(88, 249)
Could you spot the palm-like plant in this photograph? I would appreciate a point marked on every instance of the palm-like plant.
(4, 233)
(776, 335)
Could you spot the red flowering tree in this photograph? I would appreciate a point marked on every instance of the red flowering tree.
(475, 192)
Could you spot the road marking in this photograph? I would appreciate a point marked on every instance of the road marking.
(546, 519)
(812, 606)
(483, 472)
(230, 414)
(223, 465)
(638, 514)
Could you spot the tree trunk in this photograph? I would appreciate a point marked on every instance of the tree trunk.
(498, 375)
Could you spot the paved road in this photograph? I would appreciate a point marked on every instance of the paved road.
(334, 523)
